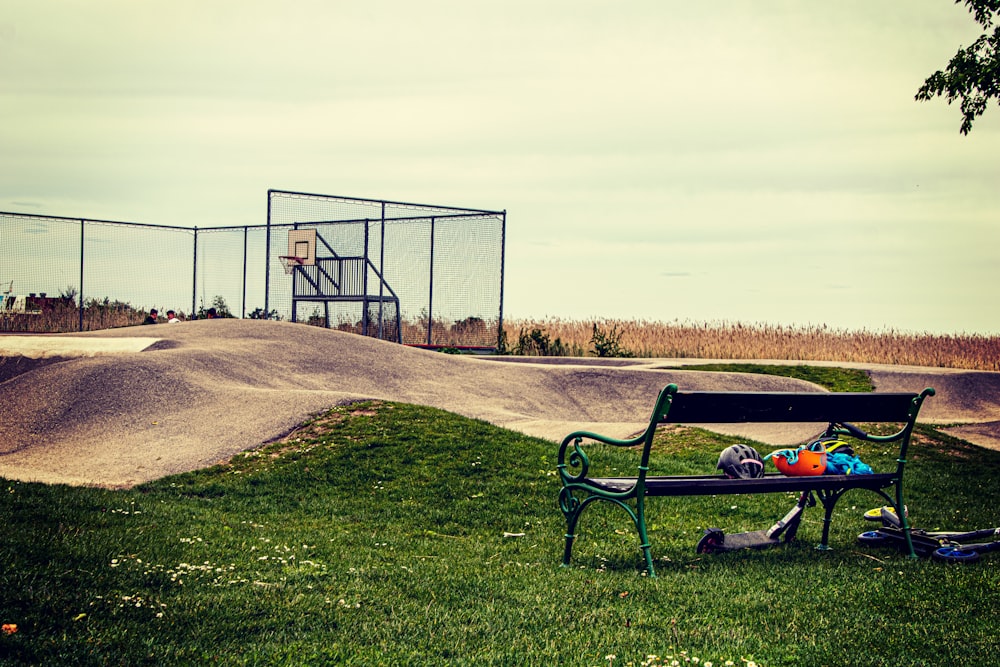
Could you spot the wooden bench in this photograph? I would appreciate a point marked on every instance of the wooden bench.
(838, 410)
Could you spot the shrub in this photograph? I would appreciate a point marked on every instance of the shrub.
(608, 343)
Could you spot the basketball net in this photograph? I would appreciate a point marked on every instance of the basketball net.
(290, 262)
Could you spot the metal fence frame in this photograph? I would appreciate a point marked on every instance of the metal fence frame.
(265, 236)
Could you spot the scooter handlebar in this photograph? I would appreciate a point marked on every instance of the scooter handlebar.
(853, 430)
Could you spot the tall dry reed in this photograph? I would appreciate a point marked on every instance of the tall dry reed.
(734, 340)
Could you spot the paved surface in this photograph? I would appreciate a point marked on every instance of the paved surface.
(119, 407)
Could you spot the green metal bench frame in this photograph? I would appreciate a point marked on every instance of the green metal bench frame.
(673, 406)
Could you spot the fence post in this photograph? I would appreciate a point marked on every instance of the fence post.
(381, 273)
(82, 223)
(364, 286)
(503, 252)
(243, 305)
(267, 263)
(194, 276)
(430, 283)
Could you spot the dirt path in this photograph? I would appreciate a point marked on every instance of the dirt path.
(119, 407)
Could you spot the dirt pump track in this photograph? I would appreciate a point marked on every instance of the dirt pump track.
(120, 407)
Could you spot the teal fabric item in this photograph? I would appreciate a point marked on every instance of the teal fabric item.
(845, 464)
(790, 455)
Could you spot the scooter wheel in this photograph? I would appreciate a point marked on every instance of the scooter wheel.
(712, 541)
(876, 514)
(872, 537)
(955, 555)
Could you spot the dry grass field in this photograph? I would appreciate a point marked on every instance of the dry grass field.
(637, 338)
(725, 340)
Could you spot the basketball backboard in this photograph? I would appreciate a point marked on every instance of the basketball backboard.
(302, 244)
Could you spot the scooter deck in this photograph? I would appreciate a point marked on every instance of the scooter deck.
(715, 540)
(756, 539)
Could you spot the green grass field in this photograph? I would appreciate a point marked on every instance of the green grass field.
(834, 379)
(388, 534)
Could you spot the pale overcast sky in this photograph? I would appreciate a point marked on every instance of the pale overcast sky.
(761, 161)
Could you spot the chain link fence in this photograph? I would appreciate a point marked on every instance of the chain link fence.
(428, 275)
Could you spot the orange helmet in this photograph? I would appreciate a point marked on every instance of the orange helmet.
(801, 462)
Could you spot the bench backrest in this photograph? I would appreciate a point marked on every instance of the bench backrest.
(841, 408)
(839, 411)
(707, 407)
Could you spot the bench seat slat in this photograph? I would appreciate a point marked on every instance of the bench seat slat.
(697, 407)
(710, 485)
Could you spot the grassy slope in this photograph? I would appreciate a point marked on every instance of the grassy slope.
(378, 537)
(834, 379)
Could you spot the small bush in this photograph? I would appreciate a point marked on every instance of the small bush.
(608, 343)
(538, 343)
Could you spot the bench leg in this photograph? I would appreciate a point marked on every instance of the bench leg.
(568, 549)
(570, 536)
(640, 526)
(829, 500)
(571, 508)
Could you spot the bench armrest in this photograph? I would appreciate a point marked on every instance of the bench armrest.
(573, 456)
(577, 437)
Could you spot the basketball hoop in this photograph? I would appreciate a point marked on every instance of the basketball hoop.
(290, 262)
